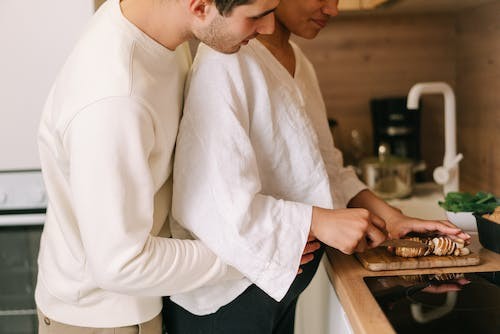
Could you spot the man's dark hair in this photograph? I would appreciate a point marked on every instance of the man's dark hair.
(226, 6)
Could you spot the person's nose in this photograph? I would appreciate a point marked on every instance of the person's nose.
(266, 25)
(330, 8)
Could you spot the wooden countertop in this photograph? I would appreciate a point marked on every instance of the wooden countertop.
(346, 275)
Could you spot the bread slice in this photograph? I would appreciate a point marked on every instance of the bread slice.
(440, 246)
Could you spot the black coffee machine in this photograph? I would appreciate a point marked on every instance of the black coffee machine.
(397, 126)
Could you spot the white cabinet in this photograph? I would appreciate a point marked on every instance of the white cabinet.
(338, 322)
(319, 310)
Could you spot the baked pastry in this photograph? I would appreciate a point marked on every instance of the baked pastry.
(415, 252)
(440, 246)
(494, 216)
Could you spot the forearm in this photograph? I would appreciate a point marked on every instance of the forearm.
(163, 266)
(368, 200)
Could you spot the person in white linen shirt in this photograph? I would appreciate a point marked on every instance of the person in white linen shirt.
(106, 140)
(257, 173)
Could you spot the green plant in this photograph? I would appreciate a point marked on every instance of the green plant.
(479, 203)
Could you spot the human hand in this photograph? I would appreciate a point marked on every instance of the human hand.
(307, 256)
(348, 230)
(400, 225)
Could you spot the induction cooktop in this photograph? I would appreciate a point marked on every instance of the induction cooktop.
(440, 303)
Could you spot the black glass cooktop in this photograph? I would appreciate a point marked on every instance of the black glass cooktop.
(440, 303)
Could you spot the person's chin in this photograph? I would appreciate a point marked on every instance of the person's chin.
(234, 50)
(314, 34)
(230, 50)
(308, 34)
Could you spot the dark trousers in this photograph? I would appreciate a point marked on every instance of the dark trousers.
(252, 312)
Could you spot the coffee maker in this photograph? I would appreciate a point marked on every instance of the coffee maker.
(396, 126)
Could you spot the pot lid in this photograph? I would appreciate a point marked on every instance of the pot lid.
(389, 160)
(385, 158)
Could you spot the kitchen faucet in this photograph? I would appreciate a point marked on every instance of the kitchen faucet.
(447, 174)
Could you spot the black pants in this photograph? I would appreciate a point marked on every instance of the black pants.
(252, 312)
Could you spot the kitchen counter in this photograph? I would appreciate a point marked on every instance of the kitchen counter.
(365, 316)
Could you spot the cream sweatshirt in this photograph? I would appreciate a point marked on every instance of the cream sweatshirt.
(106, 140)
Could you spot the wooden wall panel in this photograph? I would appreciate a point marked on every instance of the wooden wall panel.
(478, 92)
(361, 58)
(365, 57)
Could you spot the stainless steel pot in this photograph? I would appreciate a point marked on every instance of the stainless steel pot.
(389, 176)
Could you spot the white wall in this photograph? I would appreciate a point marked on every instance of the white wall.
(35, 38)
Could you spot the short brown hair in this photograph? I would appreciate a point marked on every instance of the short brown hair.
(226, 6)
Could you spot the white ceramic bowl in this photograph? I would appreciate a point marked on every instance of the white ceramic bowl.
(465, 220)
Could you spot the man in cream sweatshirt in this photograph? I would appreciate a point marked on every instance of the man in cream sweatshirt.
(106, 140)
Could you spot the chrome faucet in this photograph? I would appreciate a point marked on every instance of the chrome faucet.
(447, 174)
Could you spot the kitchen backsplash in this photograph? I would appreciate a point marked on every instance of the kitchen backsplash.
(365, 57)
(478, 97)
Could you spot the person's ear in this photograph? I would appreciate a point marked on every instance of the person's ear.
(200, 8)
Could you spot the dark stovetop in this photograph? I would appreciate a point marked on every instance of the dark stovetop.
(440, 303)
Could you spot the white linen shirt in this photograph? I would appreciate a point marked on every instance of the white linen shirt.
(254, 154)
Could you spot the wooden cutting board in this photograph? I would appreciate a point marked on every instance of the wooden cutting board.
(379, 258)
